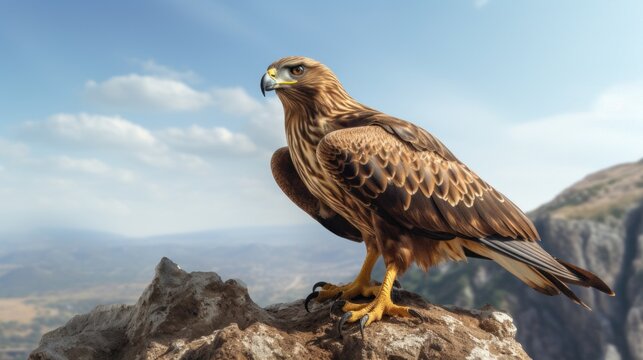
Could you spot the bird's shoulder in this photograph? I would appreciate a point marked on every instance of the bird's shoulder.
(369, 121)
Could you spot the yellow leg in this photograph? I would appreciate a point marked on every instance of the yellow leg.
(362, 285)
(381, 305)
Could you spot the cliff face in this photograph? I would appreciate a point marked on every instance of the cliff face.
(597, 224)
(198, 316)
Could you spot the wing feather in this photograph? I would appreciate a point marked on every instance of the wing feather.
(415, 181)
(283, 170)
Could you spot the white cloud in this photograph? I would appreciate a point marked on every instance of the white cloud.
(110, 173)
(169, 159)
(213, 140)
(94, 167)
(147, 92)
(533, 161)
(265, 118)
(611, 128)
(173, 147)
(235, 100)
(93, 129)
(624, 99)
(151, 67)
(268, 125)
(91, 166)
(163, 89)
(13, 150)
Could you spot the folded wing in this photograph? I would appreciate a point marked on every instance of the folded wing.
(283, 170)
(423, 189)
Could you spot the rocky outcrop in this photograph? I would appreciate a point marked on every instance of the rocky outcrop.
(199, 316)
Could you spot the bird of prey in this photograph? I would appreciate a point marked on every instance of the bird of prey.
(368, 176)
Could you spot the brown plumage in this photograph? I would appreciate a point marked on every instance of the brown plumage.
(367, 175)
(291, 184)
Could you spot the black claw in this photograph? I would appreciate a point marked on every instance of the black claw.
(417, 315)
(319, 284)
(312, 295)
(396, 284)
(342, 321)
(362, 323)
(336, 304)
(396, 296)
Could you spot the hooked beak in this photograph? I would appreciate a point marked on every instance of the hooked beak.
(268, 83)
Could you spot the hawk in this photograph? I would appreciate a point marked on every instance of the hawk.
(373, 178)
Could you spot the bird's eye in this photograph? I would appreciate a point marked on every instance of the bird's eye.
(297, 70)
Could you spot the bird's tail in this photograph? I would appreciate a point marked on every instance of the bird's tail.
(535, 267)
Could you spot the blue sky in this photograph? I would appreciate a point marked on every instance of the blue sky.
(145, 117)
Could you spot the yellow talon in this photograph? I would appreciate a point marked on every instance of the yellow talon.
(362, 285)
(380, 306)
(348, 306)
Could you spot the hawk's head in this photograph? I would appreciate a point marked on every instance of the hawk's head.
(298, 79)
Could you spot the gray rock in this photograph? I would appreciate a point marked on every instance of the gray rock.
(198, 316)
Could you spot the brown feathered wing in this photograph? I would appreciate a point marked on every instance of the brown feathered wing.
(410, 179)
(285, 174)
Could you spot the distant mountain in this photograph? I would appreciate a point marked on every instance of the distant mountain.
(55, 259)
(597, 224)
